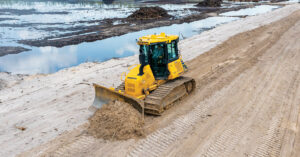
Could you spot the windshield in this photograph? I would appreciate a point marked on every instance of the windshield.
(144, 49)
(172, 51)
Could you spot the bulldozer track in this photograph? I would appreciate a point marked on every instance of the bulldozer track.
(226, 140)
(83, 143)
(121, 87)
(271, 141)
(168, 93)
(159, 141)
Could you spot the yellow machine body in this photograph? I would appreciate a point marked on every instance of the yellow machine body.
(136, 85)
(139, 86)
(160, 38)
(176, 69)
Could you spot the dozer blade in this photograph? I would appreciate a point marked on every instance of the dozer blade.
(103, 95)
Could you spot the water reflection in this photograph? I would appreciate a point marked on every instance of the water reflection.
(251, 11)
(47, 60)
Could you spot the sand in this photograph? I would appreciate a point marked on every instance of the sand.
(7, 80)
(116, 121)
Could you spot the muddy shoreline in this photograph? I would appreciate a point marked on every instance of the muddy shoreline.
(107, 29)
(5, 50)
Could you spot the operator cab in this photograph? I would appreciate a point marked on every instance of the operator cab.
(158, 51)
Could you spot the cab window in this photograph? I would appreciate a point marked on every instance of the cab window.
(144, 49)
(172, 51)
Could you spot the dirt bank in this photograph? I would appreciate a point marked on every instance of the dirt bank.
(210, 3)
(242, 84)
(116, 121)
(5, 50)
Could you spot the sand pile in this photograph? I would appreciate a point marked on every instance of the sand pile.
(210, 3)
(149, 13)
(116, 121)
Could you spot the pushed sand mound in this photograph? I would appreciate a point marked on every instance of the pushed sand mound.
(116, 121)
(210, 3)
(149, 13)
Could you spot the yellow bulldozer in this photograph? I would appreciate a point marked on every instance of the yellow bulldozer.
(157, 82)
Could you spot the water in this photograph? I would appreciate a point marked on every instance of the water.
(292, 1)
(51, 59)
(251, 11)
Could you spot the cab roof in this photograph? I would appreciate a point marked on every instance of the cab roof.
(160, 38)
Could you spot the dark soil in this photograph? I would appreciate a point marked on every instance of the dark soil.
(26, 12)
(149, 13)
(108, 1)
(21, 128)
(275, 1)
(4, 19)
(116, 121)
(168, 2)
(210, 3)
(5, 50)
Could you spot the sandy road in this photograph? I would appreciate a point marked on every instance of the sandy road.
(256, 113)
(247, 103)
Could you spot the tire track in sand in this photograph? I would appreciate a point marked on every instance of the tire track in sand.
(76, 147)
